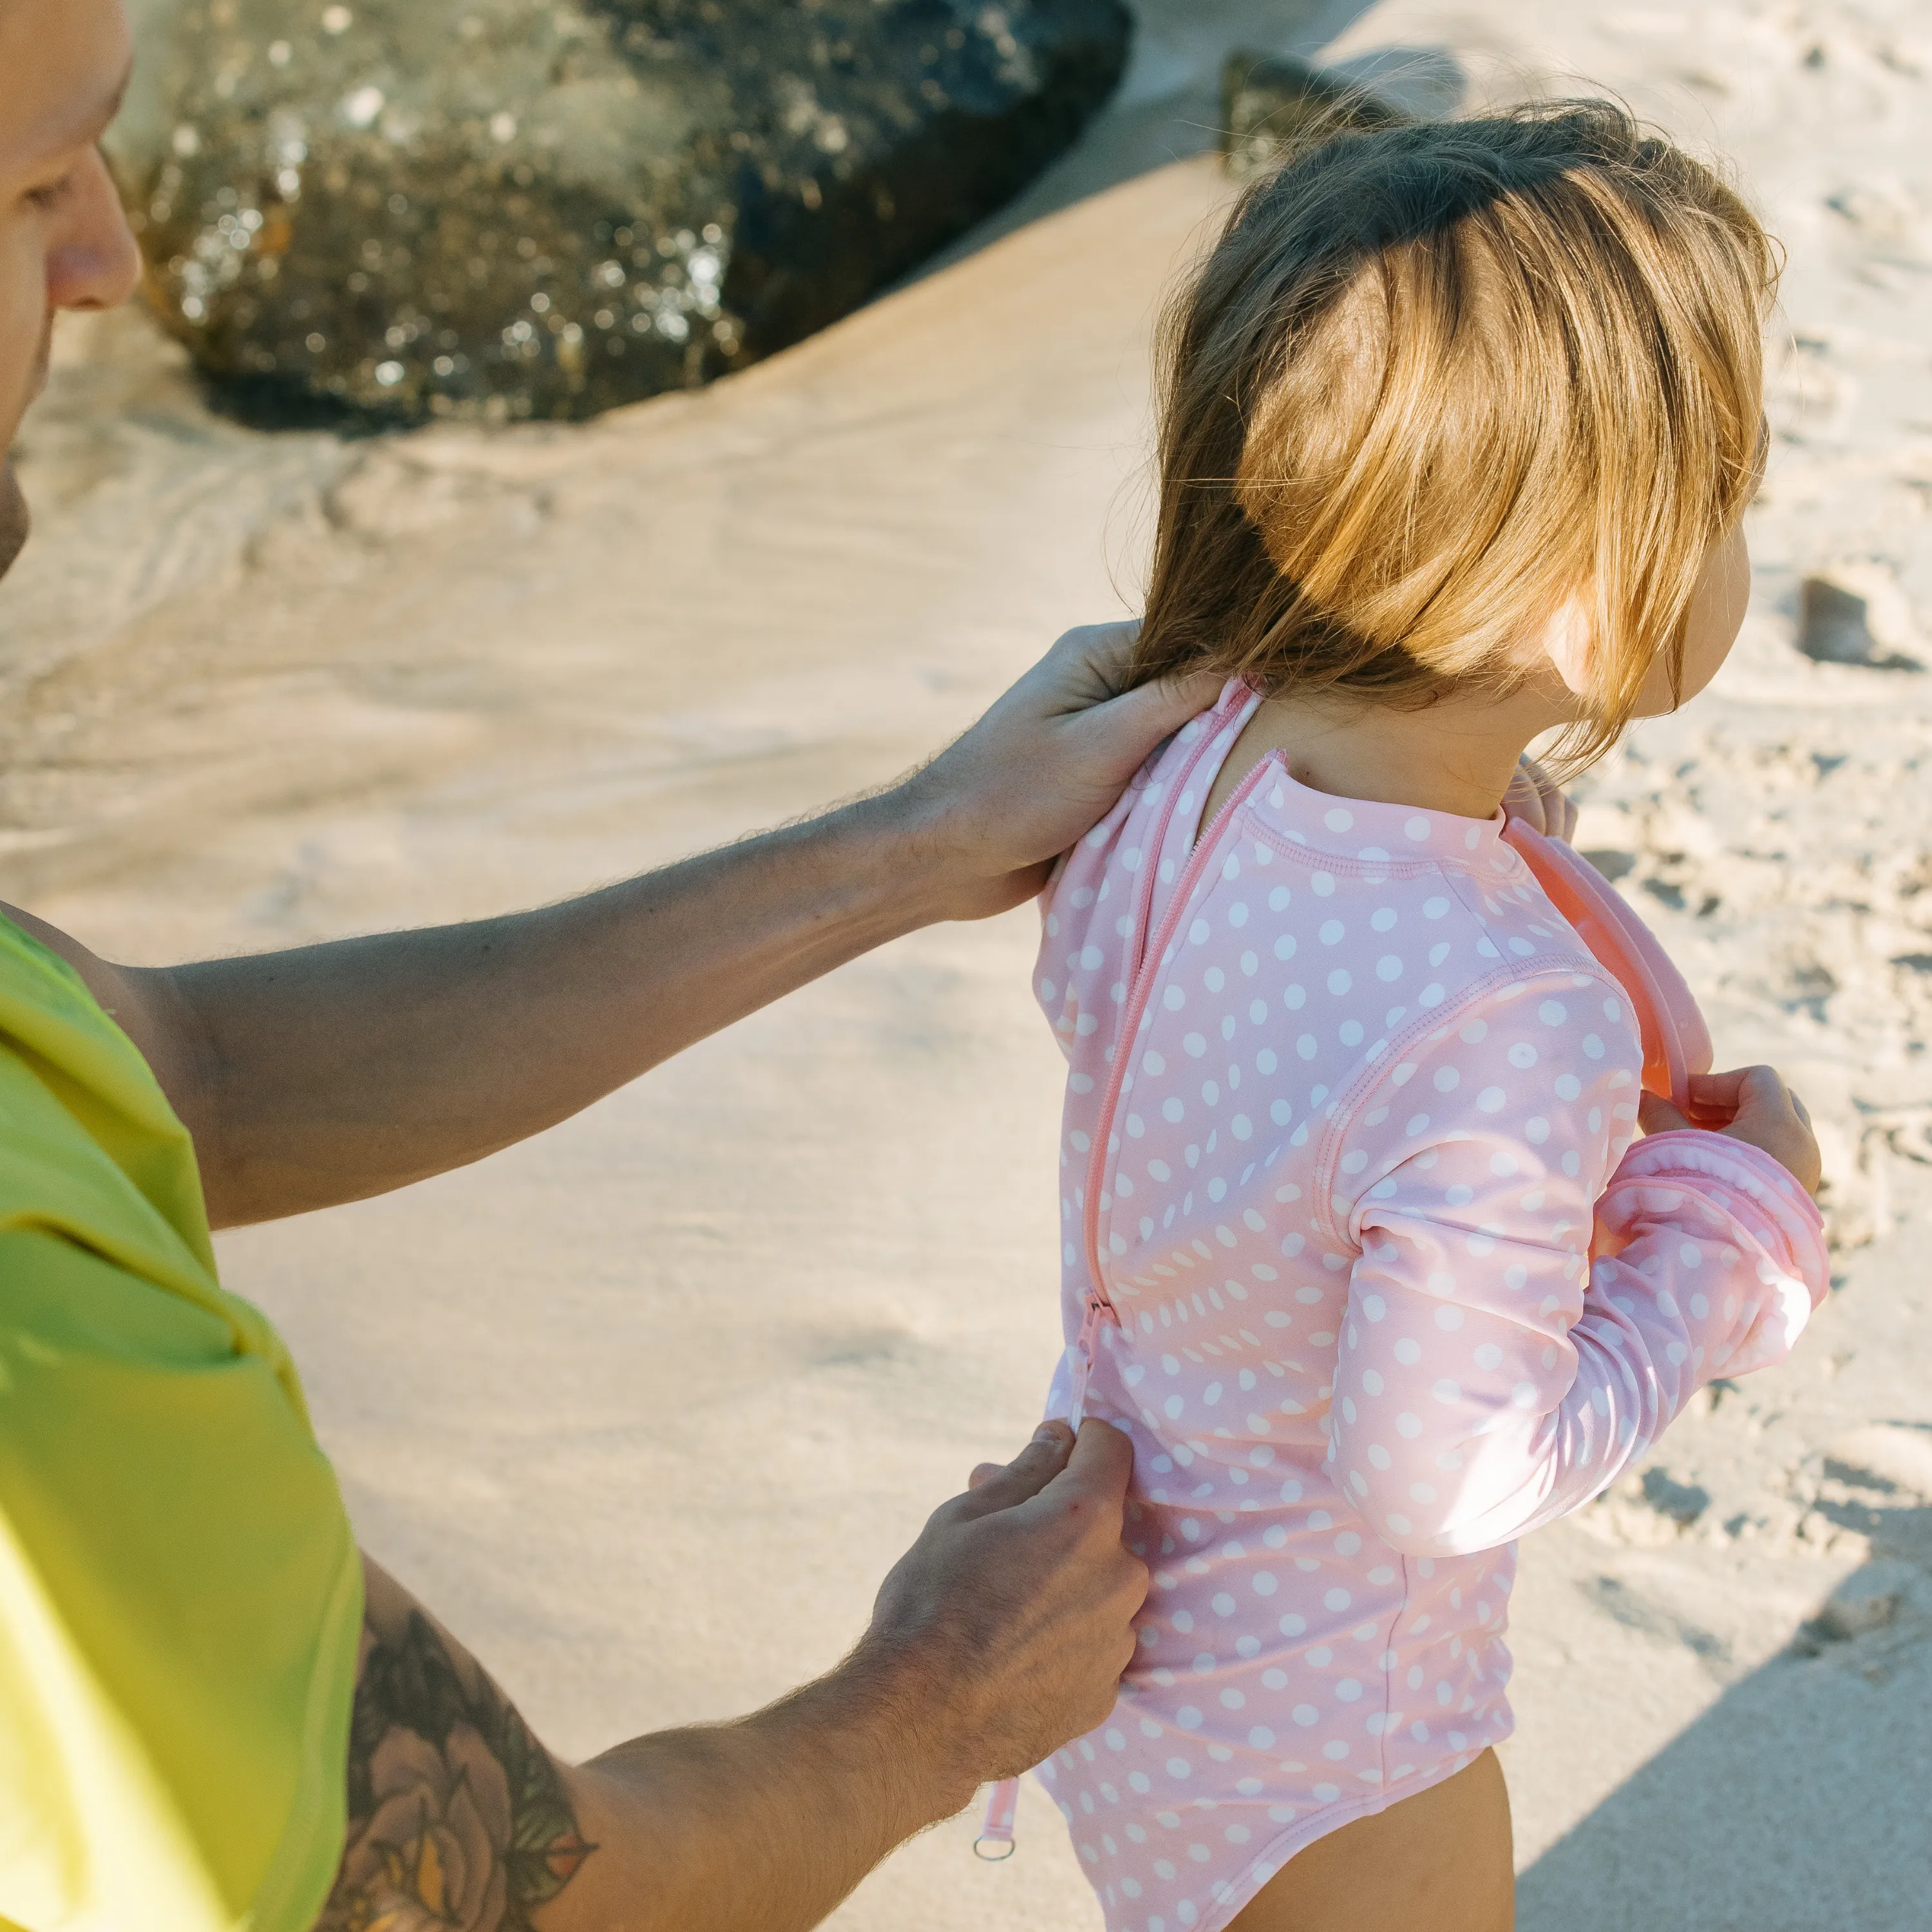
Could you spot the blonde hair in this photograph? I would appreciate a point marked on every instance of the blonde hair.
(1434, 382)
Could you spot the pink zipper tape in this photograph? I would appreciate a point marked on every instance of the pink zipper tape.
(995, 1841)
(1147, 969)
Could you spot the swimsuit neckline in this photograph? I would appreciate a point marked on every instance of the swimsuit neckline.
(1358, 831)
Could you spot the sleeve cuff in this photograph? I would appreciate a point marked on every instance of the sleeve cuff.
(1763, 1195)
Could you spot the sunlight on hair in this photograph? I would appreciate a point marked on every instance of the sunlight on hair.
(1436, 382)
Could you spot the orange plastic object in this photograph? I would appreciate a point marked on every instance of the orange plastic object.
(1676, 1041)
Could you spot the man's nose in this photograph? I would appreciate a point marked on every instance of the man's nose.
(95, 261)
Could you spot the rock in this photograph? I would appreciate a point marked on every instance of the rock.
(1835, 627)
(1269, 103)
(506, 209)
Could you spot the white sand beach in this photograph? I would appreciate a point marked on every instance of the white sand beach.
(647, 1407)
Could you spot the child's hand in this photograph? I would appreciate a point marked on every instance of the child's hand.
(1751, 1104)
(1536, 798)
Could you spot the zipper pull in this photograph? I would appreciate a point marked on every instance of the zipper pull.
(995, 1840)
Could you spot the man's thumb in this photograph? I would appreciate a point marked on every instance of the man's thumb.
(1657, 1115)
(993, 1488)
(1151, 712)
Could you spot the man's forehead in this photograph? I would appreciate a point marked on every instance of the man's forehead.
(63, 66)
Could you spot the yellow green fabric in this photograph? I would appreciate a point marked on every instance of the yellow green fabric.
(180, 1599)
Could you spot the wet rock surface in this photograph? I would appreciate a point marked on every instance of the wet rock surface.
(1269, 105)
(504, 209)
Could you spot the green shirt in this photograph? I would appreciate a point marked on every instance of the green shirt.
(180, 1598)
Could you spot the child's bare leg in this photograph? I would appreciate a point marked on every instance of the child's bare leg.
(1440, 1862)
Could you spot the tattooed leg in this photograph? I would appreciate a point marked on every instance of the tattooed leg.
(458, 1816)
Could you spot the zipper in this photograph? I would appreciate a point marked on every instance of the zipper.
(1099, 1305)
(995, 1840)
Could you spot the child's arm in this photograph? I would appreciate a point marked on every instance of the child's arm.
(1493, 1374)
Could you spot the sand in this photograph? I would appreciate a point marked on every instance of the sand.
(646, 1407)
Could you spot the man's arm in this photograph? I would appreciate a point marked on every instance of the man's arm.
(333, 1072)
(1001, 1633)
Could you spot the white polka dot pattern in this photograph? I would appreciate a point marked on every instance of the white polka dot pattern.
(1348, 1105)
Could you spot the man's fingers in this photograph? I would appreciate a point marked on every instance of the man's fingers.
(1101, 1463)
(1105, 651)
(1151, 712)
(1658, 1116)
(992, 1487)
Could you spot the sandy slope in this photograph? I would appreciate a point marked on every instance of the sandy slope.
(647, 1407)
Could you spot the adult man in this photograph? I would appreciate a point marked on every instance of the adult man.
(203, 1684)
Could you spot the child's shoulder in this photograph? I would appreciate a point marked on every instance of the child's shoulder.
(1442, 910)
(1100, 893)
(1526, 1039)
(1491, 991)
(1496, 952)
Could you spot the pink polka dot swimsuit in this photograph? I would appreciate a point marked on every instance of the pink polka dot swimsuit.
(1359, 1252)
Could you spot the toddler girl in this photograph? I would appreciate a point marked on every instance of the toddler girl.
(1362, 1248)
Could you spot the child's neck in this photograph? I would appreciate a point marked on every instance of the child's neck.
(1456, 755)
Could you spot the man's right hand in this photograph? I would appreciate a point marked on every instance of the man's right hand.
(1011, 1619)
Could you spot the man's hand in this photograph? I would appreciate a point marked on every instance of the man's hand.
(989, 815)
(1751, 1104)
(1015, 1608)
(1001, 1633)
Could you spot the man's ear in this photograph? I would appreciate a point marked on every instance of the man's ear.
(1566, 643)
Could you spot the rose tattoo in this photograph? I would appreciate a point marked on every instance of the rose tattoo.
(457, 1820)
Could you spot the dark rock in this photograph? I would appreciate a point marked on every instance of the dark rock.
(1271, 103)
(1835, 627)
(506, 209)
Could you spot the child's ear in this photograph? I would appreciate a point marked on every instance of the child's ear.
(1566, 643)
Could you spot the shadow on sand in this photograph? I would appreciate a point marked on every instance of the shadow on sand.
(1801, 1801)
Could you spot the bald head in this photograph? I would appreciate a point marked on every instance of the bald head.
(63, 241)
